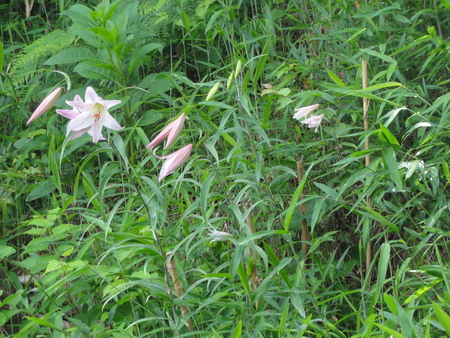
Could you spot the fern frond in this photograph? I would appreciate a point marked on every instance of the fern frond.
(29, 61)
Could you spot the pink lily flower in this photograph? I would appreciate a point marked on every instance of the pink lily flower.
(90, 116)
(174, 161)
(313, 121)
(169, 133)
(305, 111)
(46, 104)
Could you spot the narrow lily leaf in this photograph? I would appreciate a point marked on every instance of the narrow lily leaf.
(238, 330)
(244, 280)
(284, 318)
(390, 302)
(262, 61)
(446, 170)
(391, 162)
(44, 322)
(327, 190)
(443, 318)
(383, 263)
(390, 331)
(316, 213)
(2, 57)
(422, 290)
(335, 78)
(358, 93)
(354, 35)
(269, 279)
(294, 200)
(261, 234)
(379, 55)
(205, 194)
(378, 217)
(275, 262)
(386, 136)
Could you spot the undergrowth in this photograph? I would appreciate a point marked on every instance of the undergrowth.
(269, 229)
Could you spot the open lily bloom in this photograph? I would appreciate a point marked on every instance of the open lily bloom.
(313, 121)
(46, 104)
(305, 111)
(169, 133)
(174, 161)
(90, 116)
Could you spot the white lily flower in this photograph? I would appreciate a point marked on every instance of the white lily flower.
(90, 116)
(305, 111)
(219, 236)
(313, 121)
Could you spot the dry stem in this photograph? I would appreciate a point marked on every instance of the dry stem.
(172, 268)
(366, 147)
(300, 174)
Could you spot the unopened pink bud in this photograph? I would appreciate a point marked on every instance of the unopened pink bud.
(46, 104)
(174, 161)
(169, 133)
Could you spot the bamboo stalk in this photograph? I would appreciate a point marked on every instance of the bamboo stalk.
(172, 268)
(300, 173)
(367, 160)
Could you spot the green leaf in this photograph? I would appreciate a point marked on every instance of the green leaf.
(261, 234)
(6, 251)
(120, 146)
(378, 217)
(390, 302)
(335, 78)
(41, 189)
(446, 170)
(238, 330)
(386, 136)
(378, 55)
(244, 280)
(316, 213)
(358, 93)
(443, 318)
(71, 55)
(95, 69)
(391, 162)
(327, 190)
(44, 322)
(390, 331)
(270, 277)
(275, 262)
(138, 54)
(185, 20)
(294, 200)
(383, 263)
(80, 14)
(2, 59)
(157, 83)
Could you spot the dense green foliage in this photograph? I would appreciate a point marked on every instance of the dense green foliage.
(90, 238)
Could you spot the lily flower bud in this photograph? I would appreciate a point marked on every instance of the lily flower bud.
(46, 104)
